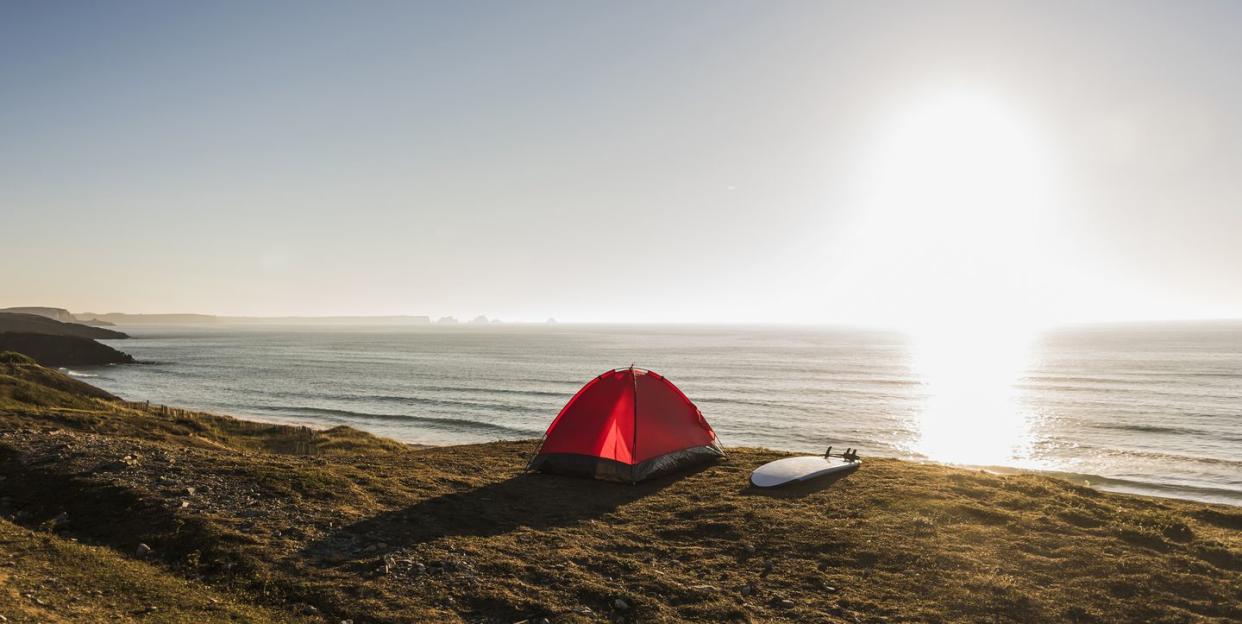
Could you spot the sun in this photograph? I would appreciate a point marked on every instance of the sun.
(955, 192)
(954, 189)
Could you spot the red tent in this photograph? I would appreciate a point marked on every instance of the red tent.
(628, 424)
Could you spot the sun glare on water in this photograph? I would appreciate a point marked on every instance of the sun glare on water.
(957, 190)
(972, 413)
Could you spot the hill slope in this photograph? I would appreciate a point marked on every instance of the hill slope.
(58, 314)
(338, 524)
(62, 350)
(35, 324)
(48, 579)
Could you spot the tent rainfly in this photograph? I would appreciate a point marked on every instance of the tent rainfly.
(628, 424)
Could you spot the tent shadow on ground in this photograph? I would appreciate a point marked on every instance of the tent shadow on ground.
(538, 501)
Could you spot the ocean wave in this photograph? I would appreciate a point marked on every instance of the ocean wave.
(1134, 388)
(505, 391)
(818, 407)
(1157, 456)
(1172, 490)
(1136, 407)
(1135, 378)
(1165, 430)
(709, 400)
(445, 424)
(400, 399)
(462, 389)
(428, 401)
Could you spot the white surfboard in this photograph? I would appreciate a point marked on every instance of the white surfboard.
(800, 470)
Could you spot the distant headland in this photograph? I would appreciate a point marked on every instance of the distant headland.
(53, 342)
(110, 319)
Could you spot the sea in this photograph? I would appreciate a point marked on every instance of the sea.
(1152, 409)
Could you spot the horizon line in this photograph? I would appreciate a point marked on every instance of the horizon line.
(471, 320)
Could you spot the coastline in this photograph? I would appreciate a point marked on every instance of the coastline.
(1103, 483)
(1097, 410)
(336, 524)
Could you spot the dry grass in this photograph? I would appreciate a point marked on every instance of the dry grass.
(44, 578)
(344, 525)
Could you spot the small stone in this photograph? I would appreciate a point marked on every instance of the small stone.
(621, 605)
(189, 491)
(143, 550)
(786, 603)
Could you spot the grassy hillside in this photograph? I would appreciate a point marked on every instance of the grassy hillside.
(44, 578)
(267, 522)
(35, 324)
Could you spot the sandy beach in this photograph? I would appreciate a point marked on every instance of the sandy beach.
(122, 512)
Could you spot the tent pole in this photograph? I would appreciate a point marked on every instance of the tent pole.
(535, 453)
(634, 445)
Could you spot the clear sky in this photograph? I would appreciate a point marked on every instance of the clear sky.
(627, 161)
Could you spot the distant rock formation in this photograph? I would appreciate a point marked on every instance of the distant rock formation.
(56, 314)
(325, 320)
(51, 350)
(120, 318)
(40, 324)
(446, 319)
(479, 320)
